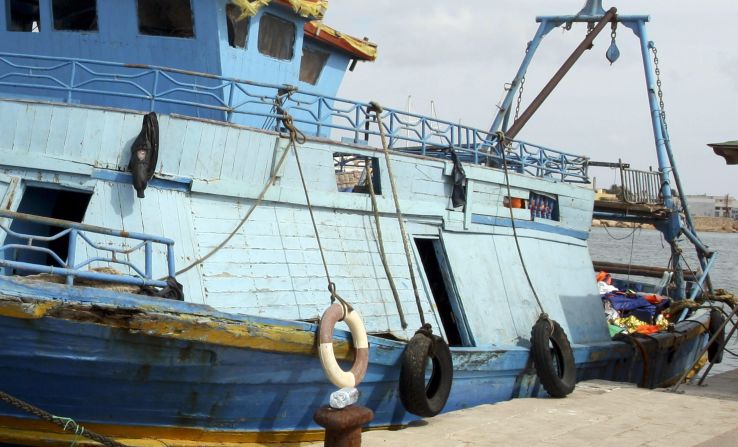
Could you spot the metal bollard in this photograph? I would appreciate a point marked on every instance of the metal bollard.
(343, 427)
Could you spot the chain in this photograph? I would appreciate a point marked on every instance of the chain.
(520, 98)
(660, 93)
(520, 91)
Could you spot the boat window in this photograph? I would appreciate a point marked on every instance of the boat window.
(23, 15)
(437, 272)
(543, 206)
(312, 63)
(75, 15)
(45, 202)
(238, 29)
(171, 18)
(276, 37)
(352, 171)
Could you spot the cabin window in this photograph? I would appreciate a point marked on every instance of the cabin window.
(353, 171)
(276, 37)
(440, 281)
(45, 202)
(171, 18)
(23, 15)
(312, 63)
(238, 29)
(75, 15)
(543, 206)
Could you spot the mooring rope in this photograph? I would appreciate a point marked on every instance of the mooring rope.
(380, 243)
(254, 205)
(296, 136)
(377, 109)
(67, 424)
(503, 143)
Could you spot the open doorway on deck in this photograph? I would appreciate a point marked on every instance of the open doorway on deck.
(45, 202)
(440, 281)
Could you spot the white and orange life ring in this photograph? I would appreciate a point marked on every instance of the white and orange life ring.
(333, 371)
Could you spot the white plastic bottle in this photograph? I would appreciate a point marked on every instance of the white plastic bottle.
(343, 398)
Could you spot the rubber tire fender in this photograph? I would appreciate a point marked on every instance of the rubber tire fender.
(715, 351)
(548, 346)
(419, 398)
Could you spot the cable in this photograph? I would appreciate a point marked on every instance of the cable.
(502, 139)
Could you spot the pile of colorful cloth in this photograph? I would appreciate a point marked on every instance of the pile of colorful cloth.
(632, 312)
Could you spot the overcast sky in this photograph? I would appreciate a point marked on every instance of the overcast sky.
(459, 54)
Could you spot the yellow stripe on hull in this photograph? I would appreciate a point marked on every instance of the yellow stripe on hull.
(179, 326)
(43, 434)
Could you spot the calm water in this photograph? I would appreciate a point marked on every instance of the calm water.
(649, 248)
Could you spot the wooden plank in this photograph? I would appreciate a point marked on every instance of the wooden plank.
(204, 151)
(190, 148)
(75, 137)
(41, 129)
(110, 144)
(9, 114)
(24, 129)
(58, 132)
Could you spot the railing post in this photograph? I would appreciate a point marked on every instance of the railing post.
(71, 255)
(170, 260)
(392, 130)
(422, 135)
(70, 89)
(357, 117)
(156, 87)
(318, 125)
(229, 116)
(149, 255)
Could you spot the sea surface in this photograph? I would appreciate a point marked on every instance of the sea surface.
(647, 247)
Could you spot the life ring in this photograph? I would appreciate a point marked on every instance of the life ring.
(715, 351)
(425, 399)
(333, 371)
(553, 358)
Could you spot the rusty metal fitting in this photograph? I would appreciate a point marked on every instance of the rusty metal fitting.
(343, 427)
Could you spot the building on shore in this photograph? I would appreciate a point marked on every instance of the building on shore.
(713, 206)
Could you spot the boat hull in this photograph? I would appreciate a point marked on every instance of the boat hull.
(142, 368)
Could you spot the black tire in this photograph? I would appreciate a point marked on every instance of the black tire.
(715, 351)
(553, 358)
(418, 397)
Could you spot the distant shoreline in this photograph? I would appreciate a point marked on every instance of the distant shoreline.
(711, 224)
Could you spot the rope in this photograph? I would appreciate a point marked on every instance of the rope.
(503, 141)
(256, 203)
(298, 137)
(620, 238)
(630, 260)
(377, 109)
(380, 242)
(66, 424)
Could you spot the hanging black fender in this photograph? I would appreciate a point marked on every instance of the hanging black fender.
(553, 357)
(145, 153)
(715, 351)
(419, 398)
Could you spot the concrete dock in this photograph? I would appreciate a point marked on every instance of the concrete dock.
(598, 413)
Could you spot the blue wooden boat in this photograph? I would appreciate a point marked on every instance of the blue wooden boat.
(164, 273)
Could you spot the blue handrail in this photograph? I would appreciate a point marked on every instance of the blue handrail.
(153, 88)
(71, 268)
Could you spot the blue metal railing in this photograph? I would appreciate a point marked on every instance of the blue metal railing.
(169, 90)
(71, 268)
